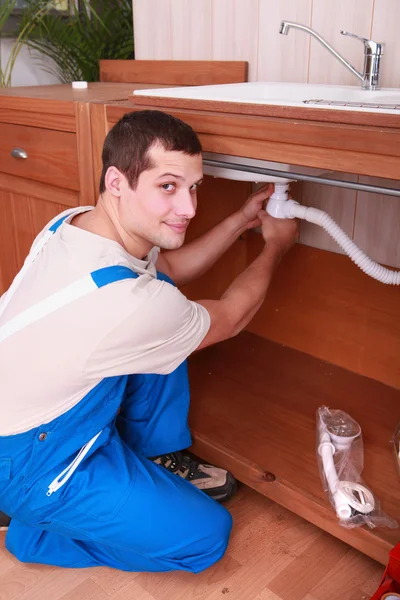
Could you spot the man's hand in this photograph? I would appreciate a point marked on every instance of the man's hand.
(255, 202)
(281, 233)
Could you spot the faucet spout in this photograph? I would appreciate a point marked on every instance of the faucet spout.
(284, 28)
(286, 25)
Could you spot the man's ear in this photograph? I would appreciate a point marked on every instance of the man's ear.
(113, 180)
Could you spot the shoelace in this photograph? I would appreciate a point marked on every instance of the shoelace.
(180, 462)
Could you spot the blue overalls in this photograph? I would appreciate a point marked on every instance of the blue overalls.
(80, 489)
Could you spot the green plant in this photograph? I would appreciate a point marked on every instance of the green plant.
(7, 8)
(75, 42)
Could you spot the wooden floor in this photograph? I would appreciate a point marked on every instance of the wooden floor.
(273, 555)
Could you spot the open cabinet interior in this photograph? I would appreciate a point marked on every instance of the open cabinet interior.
(326, 335)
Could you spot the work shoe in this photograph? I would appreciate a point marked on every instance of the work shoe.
(215, 482)
(4, 521)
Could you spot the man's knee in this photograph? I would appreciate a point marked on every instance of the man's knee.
(222, 529)
(214, 532)
(225, 524)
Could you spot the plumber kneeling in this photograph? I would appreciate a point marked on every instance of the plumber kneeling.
(94, 337)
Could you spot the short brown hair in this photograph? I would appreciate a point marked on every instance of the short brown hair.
(127, 144)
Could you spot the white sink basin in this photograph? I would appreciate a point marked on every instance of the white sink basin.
(385, 100)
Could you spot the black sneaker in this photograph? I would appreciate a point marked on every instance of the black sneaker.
(4, 521)
(215, 482)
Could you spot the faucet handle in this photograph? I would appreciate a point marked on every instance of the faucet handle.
(363, 39)
(370, 46)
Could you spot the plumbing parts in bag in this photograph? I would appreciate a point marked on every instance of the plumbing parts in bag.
(340, 454)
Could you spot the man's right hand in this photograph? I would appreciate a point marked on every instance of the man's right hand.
(281, 233)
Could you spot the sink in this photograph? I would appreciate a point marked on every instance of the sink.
(289, 94)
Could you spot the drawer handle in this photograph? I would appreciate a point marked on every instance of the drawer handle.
(19, 153)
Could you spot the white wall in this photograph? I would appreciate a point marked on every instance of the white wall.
(249, 30)
(27, 69)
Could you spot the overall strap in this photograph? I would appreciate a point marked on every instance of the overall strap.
(74, 291)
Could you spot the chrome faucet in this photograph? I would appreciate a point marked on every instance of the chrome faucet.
(372, 54)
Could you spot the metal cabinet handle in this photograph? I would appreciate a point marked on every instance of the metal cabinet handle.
(19, 153)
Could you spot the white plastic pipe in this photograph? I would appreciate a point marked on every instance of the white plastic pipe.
(346, 495)
(327, 450)
(281, 208)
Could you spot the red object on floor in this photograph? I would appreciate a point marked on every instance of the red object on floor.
(391, 578)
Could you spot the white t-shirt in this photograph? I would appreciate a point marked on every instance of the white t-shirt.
(140, 325)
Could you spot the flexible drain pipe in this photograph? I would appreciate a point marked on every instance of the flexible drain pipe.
(281, 207)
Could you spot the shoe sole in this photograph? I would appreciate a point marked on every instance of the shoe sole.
(226, 492)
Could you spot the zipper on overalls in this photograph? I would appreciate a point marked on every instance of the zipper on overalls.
(63, 477)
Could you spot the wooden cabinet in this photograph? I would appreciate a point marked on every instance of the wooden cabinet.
(40, 154)
(39, 176)
(326, 335)
(23, 214)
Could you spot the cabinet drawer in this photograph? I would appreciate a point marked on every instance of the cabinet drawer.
(49, 156)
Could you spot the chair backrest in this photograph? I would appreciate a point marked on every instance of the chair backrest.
(174, 72)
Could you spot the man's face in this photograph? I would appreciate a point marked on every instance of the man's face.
(159, 210)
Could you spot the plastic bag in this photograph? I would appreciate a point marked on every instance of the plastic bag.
(340, 454)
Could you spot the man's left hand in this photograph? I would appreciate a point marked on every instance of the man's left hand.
(254, 204)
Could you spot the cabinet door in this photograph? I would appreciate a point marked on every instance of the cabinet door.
(21, 218)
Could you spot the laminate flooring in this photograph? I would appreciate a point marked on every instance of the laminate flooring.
(273, 555)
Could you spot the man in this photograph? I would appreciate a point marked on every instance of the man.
(93, 341)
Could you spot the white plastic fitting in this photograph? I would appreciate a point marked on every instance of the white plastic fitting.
(281, 208)
(346, 495)
(277, 204)
(327, 450)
